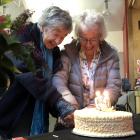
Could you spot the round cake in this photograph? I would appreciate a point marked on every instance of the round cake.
(94, 123)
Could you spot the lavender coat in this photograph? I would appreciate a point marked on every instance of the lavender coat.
(68, 81)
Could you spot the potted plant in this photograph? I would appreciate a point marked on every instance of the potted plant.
(9, 44)
(5, 2)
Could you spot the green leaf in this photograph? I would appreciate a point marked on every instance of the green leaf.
(10, 39)
(23, 52)
(5, 2)
(3, 79)
(6, 21)
(3, 44)
(7, 64)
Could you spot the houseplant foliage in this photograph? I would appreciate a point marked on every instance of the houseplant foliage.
(5, 2)
(9, 44)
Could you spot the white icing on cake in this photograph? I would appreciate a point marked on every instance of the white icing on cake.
(95, 123)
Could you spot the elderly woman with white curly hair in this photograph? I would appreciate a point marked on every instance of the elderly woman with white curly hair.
(90, 64)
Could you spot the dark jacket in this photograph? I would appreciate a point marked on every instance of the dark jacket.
(17, 104)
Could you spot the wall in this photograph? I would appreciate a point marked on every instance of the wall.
(134, 43)
(116, 39)
(14, 9)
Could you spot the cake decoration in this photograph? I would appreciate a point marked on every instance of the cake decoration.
(102, 120)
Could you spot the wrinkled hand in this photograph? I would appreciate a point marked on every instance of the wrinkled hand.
(19, 138)
(68, 121)
(71, 99)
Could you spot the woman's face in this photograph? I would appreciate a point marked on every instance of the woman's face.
(53, 36)
(89, 39)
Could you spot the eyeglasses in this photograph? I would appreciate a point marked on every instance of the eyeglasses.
(91, 41)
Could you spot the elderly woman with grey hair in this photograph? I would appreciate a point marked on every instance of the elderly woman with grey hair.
(90, 64)
(24, 109)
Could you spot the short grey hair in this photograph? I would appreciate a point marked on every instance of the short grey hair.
(55, 17)
(91, 18)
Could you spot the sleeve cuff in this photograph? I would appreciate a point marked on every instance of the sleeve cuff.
(64, 108)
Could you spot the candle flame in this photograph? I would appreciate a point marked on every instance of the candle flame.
(106, 93)
(102, 100)
(98, 93)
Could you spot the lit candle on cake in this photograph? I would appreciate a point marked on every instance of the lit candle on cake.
(106, 99)
(98, 100)
(102, 101)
